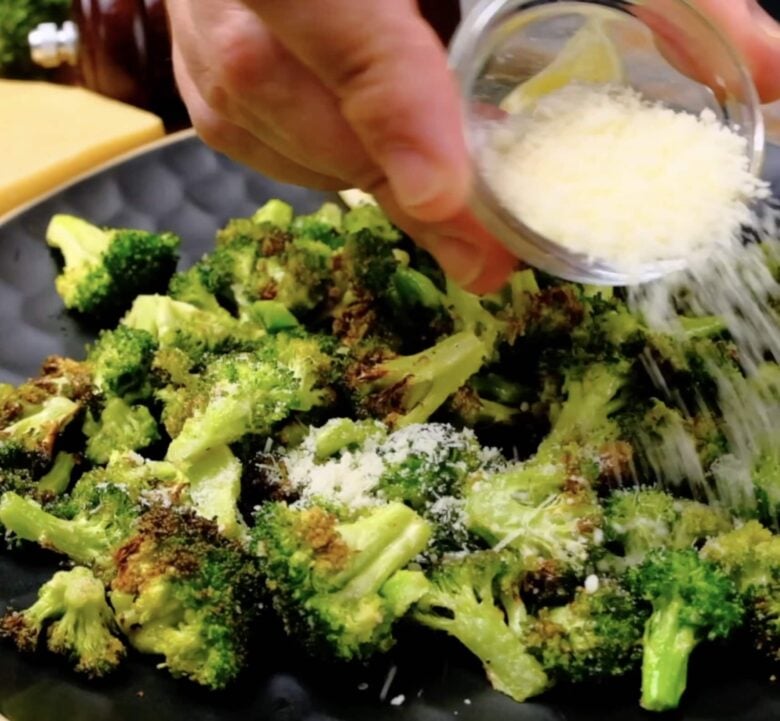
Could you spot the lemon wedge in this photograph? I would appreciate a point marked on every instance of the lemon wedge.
(587, 57)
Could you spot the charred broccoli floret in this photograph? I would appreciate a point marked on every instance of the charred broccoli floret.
(339, 586)
(596, 635)
(185, 593)
(750, 555)
(78, 623)
(119, 427)
(408, 389)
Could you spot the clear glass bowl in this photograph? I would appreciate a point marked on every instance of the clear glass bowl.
(502, 43)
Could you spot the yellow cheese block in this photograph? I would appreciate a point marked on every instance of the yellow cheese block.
(51, 133)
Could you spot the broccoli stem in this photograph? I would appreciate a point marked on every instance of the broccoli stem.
(387, 540)
(79, 242)
(57, 480)
(667, 647)
(481, 627)
(25, 518)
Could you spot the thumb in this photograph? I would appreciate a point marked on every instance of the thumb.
(389, 71)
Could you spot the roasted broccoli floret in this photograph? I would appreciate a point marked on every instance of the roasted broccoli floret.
(121, 361)
(174, 324)
(184, 592)
(77, 621)
(692, 601)
(246, 393)
(597, 635)
(101, 511)
(640, 520)
(547, 503)
(119, 427)
(750, 555)
(339, 586)
(105, 269)
(192, 286)
(408, 389)
(476, 600)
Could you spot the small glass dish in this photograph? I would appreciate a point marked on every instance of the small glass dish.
(503, 43)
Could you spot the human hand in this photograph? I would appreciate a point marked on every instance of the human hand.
(350, 94)
(358, 94)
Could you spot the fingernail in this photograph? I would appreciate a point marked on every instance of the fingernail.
(415, 180)
(460, 261)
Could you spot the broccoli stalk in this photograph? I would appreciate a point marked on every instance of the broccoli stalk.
(692, 600)
(81, 624)
(214, 488)
(105, 269)
(464, 601)
(334, 583)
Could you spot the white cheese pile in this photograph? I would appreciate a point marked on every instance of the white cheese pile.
(352, 477)
(608, 174)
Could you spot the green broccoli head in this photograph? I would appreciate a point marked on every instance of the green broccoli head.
(121, 361)
(78, 623)
(119, 427)
(245, 393)
(105, 269)
(402, 390)
(334, 583)
(184, 592)
(638, 521)
(765, 475)
(750, 555)
(692, 600)
(596, 635)
(100, 512)
(193, 286)
(174, 324)
(31, 422)
(476, 600)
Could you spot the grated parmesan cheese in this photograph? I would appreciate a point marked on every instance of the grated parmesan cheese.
(608, 174)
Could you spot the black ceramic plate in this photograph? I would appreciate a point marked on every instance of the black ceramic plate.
(184, 187)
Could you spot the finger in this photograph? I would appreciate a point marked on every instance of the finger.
(389, 72)
(742, 23)
(466, 252)
(248, 78)
(242, 146)
(755, 34)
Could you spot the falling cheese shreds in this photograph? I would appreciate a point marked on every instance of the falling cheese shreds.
(607, 174)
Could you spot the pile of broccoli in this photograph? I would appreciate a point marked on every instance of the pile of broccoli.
(312, 426)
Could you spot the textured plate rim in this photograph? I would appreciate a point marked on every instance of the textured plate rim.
(124, 157)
